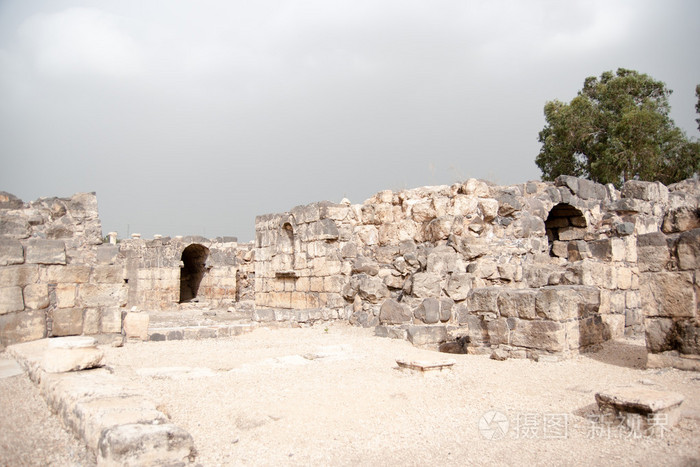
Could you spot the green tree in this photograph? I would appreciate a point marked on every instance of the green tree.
(617, 128)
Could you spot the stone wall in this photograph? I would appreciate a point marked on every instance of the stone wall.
(154, 271)
(531, 268)
(56, 276)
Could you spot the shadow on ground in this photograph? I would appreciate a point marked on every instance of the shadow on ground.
(626, 353)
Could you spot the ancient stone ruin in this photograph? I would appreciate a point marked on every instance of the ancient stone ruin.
(532, 270)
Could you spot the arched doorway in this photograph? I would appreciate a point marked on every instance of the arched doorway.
(194, 260)
(564, 223)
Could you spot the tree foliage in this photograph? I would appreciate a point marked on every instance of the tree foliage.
(617, 128)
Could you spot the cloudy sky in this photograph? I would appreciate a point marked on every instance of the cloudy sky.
(193, 117)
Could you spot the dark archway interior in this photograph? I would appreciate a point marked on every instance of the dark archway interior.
(194, 259)
(562, 216)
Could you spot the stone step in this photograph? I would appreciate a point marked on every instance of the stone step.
(173, 333)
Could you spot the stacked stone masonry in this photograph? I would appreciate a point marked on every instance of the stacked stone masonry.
(530, 269)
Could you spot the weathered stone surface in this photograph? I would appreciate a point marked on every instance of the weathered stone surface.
(11, 252)
(393, 312)
(14, 226)
(67, 322)
(681, 219)
(11, 299)
(483, 300)
(458, 286)
(111, 320)
(444, 260)
(22, 327)
(65, 354)
(541, 335)
(372, 289)
(652, 252)
(9, 201)
(71, 273)
(36, 296)
(499, 354)
(40, 251)
(94, 295)
(564, 302)
(147, 445)
(668, 294)
(648, 191)
(426, 285)
(689, 250)
(136, 325)
(659, 334)
(363, 265)
(18, 275)
(428, 311)
(107, 254)
(426, 335)
(517, 303)
(642, 410)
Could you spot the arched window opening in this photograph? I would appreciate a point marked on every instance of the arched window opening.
(194, 260)
(564, 223)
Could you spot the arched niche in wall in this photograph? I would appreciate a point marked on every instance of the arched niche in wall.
(194, 260)
(285, 250)
(564, 223)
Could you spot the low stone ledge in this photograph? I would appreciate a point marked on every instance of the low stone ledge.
(673, 360)
(102, 409)
(199, 332)
(424, 366)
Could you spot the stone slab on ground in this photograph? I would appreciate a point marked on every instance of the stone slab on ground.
(101, 408)
(72, 353)
(176, 333)
(424, 366)
(641, 409)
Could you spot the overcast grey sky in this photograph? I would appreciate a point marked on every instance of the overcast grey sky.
(193, 117)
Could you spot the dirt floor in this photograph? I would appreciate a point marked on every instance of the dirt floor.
(334, 396)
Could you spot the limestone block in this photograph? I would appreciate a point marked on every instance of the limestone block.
(517, 303)
(426, 285)
(36, 296)
(561, 249)
(363, 265)
(96, 295)
(146, 445)
(22, 327)
(108, 274)
(367, 235)
(76, 274)
(107, 254)
(14, 226)
(65, 295)
(91, 321)
(458, 286)
(571, 233)
(426, 335)
(136, 325)
(11, 252)
(463, 205)
(680, 219)
(641, 410)
(614, 325)
(18, 275)
(659, 334)
(689, 250)
(11, 299)
(498, 330)
(41, 251)
(475, 188)
(334, 284)
(541, 335)
(508, 204)
(445, 260)
(483, 300)
(648, 191)
(564, 302)
(623, 277)
(668, 294)
(488, 208)
(372, 288)
(439, 228)
(428, 311)
(67, 322)
(393, 312)
(65, 354)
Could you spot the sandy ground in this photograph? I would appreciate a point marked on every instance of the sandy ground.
(334, 396)
(29, 433)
